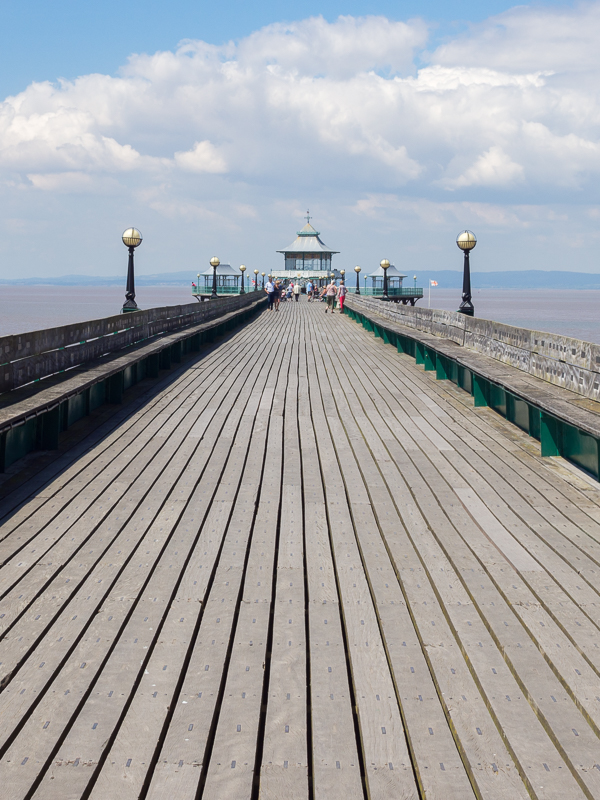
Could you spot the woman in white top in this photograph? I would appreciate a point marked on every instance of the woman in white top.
(341, 296)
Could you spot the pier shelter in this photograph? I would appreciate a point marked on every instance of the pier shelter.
(228, 281)
(394, 279)
(307, 256)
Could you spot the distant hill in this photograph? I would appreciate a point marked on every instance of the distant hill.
(527, 279)
(447, 279)
(161, 279)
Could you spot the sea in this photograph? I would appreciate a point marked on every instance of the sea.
(570, 312)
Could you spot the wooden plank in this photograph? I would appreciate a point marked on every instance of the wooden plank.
(387, 761)
(449, 605)
(198, 498)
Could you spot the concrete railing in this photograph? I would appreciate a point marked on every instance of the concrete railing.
(561, 360)
(32, 356)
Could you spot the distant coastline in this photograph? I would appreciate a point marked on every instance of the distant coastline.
(447, 279)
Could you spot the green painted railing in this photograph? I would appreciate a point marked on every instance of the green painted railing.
(556, 437)
(221, 290)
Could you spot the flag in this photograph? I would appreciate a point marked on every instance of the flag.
(433, 283)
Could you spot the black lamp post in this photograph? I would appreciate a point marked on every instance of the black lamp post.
(256, 280)
(384, 264)
(263, 277)
(132, 238)
(214, 262)
(466, 242)
(357, 270)
(242, 270)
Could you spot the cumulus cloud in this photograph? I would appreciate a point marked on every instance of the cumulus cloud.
(203, 157)
(357, 104)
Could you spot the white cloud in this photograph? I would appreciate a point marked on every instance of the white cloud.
(316, 107)
(203, 157)
(492, 168)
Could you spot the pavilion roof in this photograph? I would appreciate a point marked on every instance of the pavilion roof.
(392, 272)
(308, 241)
(223, 269)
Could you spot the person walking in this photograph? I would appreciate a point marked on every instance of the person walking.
(296, 291)
(309, 291)
(277, 295)
(341, 296)
(270, 290)
(330, 294)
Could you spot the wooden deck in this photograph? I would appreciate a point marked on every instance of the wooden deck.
(302, 569)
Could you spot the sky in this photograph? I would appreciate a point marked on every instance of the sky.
(213, 127)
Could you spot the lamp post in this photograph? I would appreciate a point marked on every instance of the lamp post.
(256, 280)
(263, 277)
(214, 262)
(466, 242)
(415, 280)
(357, 270)
(198, 285)
(242, 270)
(132, 238)
(384, 264)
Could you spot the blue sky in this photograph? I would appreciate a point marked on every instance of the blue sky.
(212, 127)
(45, 41)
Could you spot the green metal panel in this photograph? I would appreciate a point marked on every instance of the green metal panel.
(140, 370)
(550, 431)
(535, 422)
(420, 353)
(519, 412)
(465, 379)
(377, 330)
(48, 429)
(176, 352)
(441, 368)
(97, 395)
(115, 388)
(20, 441)
(63, 415)
(579, 447)
(78, 407)
(165, 358)
(195, 343)
(128, 377)
(497, 398)
(429, 359)
(387, 335)
(152, 365)
(480, 390)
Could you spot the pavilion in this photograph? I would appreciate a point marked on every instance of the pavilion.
(394, 278)
(228, 281)
(307, 256)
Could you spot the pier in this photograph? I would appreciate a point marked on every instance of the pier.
(307, 560)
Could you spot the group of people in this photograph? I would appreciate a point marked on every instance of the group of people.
(276, 292)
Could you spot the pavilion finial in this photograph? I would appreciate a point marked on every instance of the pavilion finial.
(308, 217)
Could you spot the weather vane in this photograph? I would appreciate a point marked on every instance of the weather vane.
(307, 215)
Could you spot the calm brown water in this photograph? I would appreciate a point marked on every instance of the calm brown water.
(571, 313)
(568, 312)
(31, 308)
